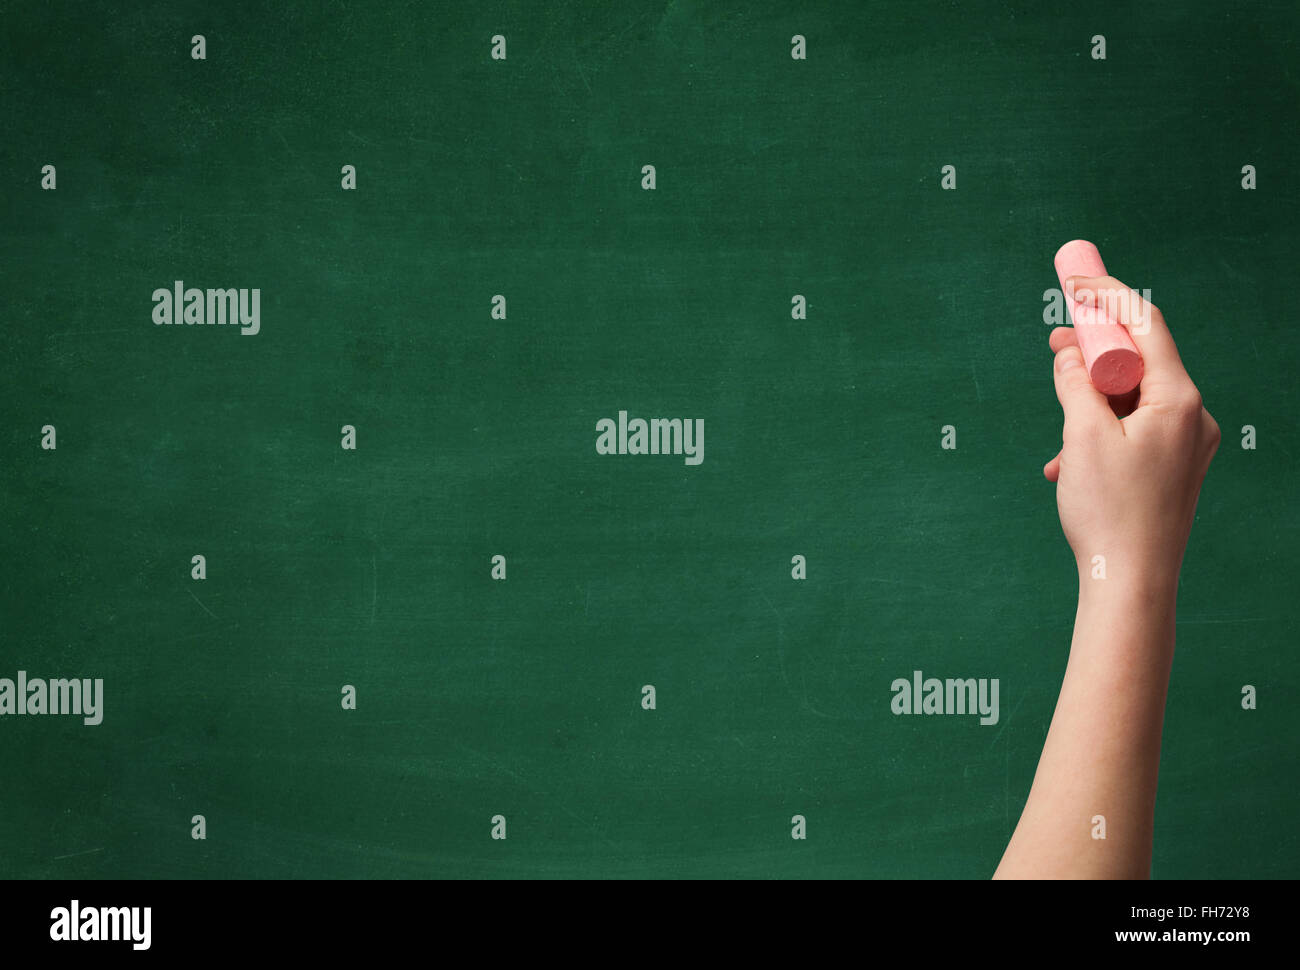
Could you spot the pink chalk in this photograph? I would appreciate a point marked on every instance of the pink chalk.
(1109, 354)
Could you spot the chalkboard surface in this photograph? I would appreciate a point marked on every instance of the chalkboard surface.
(798, 279)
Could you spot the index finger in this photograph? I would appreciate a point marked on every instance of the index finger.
(1144, 322)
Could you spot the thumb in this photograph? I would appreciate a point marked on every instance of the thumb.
(1087, 412)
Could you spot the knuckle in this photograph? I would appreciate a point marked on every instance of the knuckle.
(1188, 402)
(1212, 432)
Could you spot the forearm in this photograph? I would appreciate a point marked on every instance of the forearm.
(1102, 751)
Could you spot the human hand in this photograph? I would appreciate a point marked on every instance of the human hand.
(1130, 470)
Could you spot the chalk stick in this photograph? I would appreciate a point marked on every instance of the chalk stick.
(1109, 354)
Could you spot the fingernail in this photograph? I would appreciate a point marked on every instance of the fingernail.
(1069, 360)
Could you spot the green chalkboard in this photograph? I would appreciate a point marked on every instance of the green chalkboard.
(501, 279)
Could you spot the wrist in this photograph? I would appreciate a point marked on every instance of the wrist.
(1125, 577)
(1152, 590)
(1128, 619)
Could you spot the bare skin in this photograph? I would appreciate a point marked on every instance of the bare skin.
(1127, 480)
